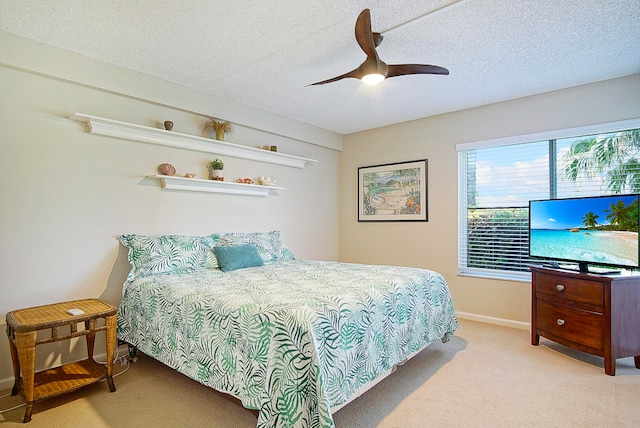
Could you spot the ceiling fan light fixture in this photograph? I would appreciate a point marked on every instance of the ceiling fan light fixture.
(373, 78)
(373, 71)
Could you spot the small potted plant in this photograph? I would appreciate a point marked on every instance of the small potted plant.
(215, 166)
(220, 127)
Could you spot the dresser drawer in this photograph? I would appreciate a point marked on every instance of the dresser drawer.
(575, 325)
(570, 289)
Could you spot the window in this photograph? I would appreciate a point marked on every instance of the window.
(497, 178)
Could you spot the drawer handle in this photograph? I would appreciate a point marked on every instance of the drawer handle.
(560, 321)
(560, 287)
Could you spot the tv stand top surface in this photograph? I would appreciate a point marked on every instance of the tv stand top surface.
(582, 267)
(585, 269)
(570, 270)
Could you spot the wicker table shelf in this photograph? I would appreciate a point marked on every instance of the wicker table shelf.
(22, 328)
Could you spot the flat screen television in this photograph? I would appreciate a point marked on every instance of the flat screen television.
(599, 230)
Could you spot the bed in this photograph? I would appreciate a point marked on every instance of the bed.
(291, 339)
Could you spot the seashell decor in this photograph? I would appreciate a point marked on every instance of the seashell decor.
(166, 169)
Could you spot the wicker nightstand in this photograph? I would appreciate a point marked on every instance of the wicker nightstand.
(22, 328)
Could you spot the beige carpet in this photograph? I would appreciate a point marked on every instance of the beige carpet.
(486, 376)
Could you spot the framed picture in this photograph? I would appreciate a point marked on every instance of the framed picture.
(393, 192)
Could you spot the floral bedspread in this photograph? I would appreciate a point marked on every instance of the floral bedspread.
(292, 338)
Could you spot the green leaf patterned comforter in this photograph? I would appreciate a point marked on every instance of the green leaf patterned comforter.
(292, 338)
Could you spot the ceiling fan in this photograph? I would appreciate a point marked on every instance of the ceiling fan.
(373, 70)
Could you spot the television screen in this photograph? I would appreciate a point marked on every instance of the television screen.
(601, 230)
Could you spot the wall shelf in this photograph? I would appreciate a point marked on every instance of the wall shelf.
(212, 186)
(146, 134)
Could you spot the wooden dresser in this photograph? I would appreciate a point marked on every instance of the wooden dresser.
(598, 314)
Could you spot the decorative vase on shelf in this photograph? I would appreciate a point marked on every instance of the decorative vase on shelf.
(215, 173)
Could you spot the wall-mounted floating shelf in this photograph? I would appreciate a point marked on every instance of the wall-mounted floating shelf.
(213, 186)
(146, 134)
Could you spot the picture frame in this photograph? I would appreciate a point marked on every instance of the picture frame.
(393, 192)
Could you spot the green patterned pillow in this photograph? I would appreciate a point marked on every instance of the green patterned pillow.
(268, 244)
(152, 255)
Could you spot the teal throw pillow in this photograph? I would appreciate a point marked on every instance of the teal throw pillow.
(237, 257)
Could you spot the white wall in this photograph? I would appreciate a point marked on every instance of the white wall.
(66, 194)
(434, 244)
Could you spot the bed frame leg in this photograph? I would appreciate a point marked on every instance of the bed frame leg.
(133, 353)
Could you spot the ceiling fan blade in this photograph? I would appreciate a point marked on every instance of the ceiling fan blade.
(353, 73)
(404, 69)
(373, 70)
(364, 35)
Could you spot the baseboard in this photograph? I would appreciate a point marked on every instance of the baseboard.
(493, 320)
(6, 383)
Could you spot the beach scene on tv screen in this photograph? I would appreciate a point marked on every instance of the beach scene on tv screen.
(595, 230)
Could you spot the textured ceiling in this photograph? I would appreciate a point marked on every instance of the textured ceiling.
(263, 54)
